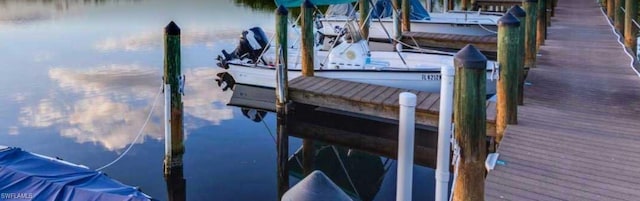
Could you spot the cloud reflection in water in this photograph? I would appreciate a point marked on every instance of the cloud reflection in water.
(109, 104)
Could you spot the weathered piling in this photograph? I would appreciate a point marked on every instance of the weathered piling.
(396, 19)
(521, 15)
(308, 156)
(610, 9)
(470, 123)
(464, 4)
(548, 15)
(176, 184)
(281, 58)
(531, 8)
(618, 20)
(364, 20)
(509, 59)
(282, 146)
(406, 13)
(172, 77)
(542, 25)
(307, 38)
(630, 29)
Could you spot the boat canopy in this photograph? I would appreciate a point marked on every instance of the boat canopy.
(33, 177)
(298, 3)
(345, 9)
(384, 9)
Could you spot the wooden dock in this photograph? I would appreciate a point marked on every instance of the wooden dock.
(372, 100)
(578, 135)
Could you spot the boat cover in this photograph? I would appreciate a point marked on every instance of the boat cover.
(298, 3)
(28, 176)
(384, 9)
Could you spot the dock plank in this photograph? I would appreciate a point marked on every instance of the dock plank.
(578, 135)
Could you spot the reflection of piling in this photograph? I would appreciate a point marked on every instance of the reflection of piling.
(308, 156)
(517, 12)
(470, 119)
(176, 184)
(172, 78)
(307, 38)
(364, 20)
(406, 136)
(509, 59)
(282, 142)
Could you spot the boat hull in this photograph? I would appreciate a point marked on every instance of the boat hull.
(428, 81)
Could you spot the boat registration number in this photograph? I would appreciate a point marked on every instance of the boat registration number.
(431, 77)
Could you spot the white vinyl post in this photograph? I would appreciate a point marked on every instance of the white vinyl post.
(444, 133)
(406, 137)
(167, 120)
(445, 4)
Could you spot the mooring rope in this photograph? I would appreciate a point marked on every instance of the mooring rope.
(455, 161)
(144, 125)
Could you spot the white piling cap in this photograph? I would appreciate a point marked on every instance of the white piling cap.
(447, 70)
(408, 99)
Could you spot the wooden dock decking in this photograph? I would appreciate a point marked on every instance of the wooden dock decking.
(578, 136)
(370, 99)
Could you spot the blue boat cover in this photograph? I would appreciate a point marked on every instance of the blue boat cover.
(384, 9)
(26, 176)
(298, 3)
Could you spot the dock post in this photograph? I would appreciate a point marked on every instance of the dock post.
(464, 4)
(630, 30)
(444, 133)
(307, 38)
(406, 12)
(547, 15)
(610, 9)
(508, 57)
(308, 156)
(172, 78)
(531, 8)
(176, 184)
(364, 20)
(542, 27)
(282, 146)
(521, 15)
(470, 123)
(396, 20)
(618, 20)
(281, 57)
(407, 123)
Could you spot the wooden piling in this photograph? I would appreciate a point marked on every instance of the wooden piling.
(630, 29)
(282, 145)
(507, 86)
(542, 27)
(549, 5)
(281, 57)
(172, 76)
(406, 13)
(307, 38)
(618, 20)
(463, 4)
(521, 15)
(176, 184)
(531, 8)
(610, 9)
(308, 156)
(470, 123)
(364, 20)
(396, 19)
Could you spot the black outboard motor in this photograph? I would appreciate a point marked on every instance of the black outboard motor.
(253, 42)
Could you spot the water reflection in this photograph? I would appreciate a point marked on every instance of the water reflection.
(111, 103)
(154, 40)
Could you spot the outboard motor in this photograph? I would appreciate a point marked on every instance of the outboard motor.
(253, 42)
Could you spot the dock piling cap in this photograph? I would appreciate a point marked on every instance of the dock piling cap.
(517, 11)
(470, 57)
(282, 10)
(408, 99)
(308, 4)
(172, 29)
(316, 187)
(508, 20)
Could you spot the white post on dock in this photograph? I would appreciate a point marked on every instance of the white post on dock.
(444, 133)
(167, 120)
(406, 137)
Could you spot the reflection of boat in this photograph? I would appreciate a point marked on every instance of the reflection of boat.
(463, 23)
(29, 176)
(356, 173)
(349, 60)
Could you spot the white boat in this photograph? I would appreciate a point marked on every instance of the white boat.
(461, 22)
(350, 60)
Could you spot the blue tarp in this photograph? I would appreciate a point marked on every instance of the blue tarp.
(384, 9)
(297, 3)
(25, 176)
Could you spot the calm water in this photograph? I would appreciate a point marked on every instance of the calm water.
(79, 77)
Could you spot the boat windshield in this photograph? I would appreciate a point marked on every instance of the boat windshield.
(352, 34)
(339, 10)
